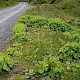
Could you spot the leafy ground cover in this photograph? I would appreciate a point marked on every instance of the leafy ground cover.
(5, 62)
(45, 47)
(42, 53)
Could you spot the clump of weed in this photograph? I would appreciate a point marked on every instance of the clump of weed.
(59, 25)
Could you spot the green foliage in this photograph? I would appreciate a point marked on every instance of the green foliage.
(73, 66)
(23, 19)
(5, 3)
(45, 27)
(36, 21)
(33, 1)
(72, 70)
(70, 52)
(73, 35)
(5, 62)
(19, 32)
(53, 24)
(51, 66)
(15, 50)
(59, 25)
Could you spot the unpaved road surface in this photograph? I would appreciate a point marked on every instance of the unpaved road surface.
(8, 18)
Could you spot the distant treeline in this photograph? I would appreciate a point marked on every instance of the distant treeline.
(60, 3)
(41, 1)
(45, 1)
(33, 1)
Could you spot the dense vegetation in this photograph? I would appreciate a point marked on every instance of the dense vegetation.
(5, 62)
(45, 50)
(45, 47)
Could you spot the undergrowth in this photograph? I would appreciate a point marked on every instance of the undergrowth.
(48, 49)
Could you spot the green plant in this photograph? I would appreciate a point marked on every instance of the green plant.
(45, 27)
(36, 21)
(15, 49)
(23, 19)
(5, 3)
(73, 35)
(72, 71)
(5, 62)
(51, 66)
(70, 52)
(19, 32)
(59, 25)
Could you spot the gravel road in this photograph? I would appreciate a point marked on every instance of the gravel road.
(8, 18)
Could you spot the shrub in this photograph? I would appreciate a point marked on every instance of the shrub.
(59, 25)
(23, 19)
(19, 32)
(36, 21)
(5, 62)
(70, 52)
(33, 21)
(51, 66)
(15, 49)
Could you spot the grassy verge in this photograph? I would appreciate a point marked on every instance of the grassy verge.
(41, 51)
(45, 48)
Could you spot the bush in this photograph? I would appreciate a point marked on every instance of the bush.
(19, 32)
(5, 62)
(23, 19)
(59, 25)
(36, 21)
(70, 52)
(15, 49)
(33, 21)
(51, 67)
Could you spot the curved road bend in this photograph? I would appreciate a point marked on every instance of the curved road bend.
(8, 18)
